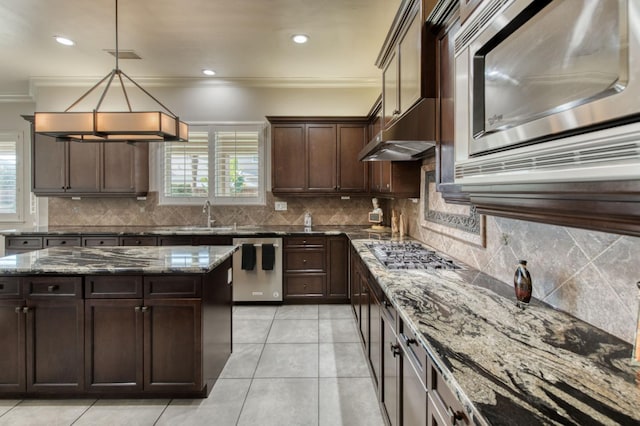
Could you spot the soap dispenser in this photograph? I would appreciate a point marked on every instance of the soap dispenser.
(307, 220)
(522, 284)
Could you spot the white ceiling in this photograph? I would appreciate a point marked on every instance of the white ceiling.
(245, 39)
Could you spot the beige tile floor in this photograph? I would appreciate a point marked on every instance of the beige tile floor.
(291, 365)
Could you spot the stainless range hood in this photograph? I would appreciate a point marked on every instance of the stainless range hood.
(408, 138)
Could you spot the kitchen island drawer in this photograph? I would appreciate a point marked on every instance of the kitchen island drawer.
(61, 241)
(97, 241)
(113, 287)
(53, 287)
(10, 288)
(172, 286)
(319, 242)
(305, 260)
(24, 243)
(138, 241)
(304, 285)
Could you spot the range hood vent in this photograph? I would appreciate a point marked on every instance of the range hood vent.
(408, 138)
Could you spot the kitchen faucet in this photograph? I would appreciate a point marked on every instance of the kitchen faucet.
(207, 209)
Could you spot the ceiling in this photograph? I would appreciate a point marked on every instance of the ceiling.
(239, 39)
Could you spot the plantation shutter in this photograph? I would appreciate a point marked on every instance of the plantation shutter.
(237, 162)
(186, 171)
(8, 177)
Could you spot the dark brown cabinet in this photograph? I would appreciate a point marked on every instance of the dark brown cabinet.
(318, 155)
(54, 334)
(12, 340)
(445, 156)
(396, 178)
(391, 367)
(315, 269)
(87, 169)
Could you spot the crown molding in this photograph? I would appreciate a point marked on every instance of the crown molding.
(343, 83)
(5, 99)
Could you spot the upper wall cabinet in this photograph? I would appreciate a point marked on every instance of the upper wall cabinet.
(74, 169)
(318, 155)
(407, 61)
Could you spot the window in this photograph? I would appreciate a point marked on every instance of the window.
(220, 163)
(10, 179)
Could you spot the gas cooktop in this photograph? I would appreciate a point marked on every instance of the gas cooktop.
(409, 255)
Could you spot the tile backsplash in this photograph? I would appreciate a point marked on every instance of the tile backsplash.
(591, 275)
(132, 212)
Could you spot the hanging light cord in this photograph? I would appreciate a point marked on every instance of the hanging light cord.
(117, 71)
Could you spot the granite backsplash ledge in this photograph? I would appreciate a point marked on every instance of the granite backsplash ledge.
(132, 212)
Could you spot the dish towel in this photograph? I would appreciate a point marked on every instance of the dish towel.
(268, 257)
(248, 257)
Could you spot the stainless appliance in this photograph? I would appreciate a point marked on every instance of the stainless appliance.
(548, 91)
(409, 255)
(257, 285)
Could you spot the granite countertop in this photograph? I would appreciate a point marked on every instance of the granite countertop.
(117, 260)
(511, 366)
(244, 230)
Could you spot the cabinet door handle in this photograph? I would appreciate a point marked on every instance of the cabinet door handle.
(137, 309)
(145, 309)
(396, 112)
(395, 349)
(18, 309)
(457, 418)
(304, 260)
(52, 288)
(1, 286)
(25, 310)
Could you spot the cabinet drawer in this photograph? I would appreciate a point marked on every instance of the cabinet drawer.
(53, 287)
(61, 241)
(138, 241)
(26, 243)
(305, 260)
(416, 353)
(169, 286)
(305, 242)
(99, 241)
(212, 240)
(387, 309)
(442, 397)
(304, 285)
(113, 287)
(10, 288)
(174, 241)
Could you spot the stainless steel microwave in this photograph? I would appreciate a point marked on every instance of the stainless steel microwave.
(548, 90)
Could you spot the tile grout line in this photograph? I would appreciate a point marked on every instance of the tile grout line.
(84, 412)
(163, 410)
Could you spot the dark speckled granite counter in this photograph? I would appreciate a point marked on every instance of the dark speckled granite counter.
(117, 260)
(510, 366)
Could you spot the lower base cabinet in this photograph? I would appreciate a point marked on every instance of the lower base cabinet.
(131, 336)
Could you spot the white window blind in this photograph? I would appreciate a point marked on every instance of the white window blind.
(186, 167)
(222, 163)
(237, 163)
(8, 177)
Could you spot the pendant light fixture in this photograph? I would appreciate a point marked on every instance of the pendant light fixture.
(119, 126)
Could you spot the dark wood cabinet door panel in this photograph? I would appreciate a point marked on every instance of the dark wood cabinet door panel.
(390, 352)
(414, 395)
(338, 269)
(113, 345)
(48, 168)
(172, 286)
(12, 341)
(321, 157)
(288, 158)
(173, 345)
(305, 260)
(10, 288)
(53, 287)
(306, 285)
(113, 287)
(55, 346)
(84, 167)
(352, 173)
(118, 171)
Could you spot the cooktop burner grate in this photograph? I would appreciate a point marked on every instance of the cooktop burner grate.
(409, 255)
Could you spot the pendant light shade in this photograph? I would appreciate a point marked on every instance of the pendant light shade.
(112, 126)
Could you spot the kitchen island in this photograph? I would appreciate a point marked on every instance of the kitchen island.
(115, 321)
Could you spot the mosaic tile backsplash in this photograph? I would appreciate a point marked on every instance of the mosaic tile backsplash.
(591, 275)
(127, 211)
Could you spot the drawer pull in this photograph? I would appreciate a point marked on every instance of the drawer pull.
(1, 286)
(25, 242)
(457, 418)
(101, 242)
(386, 303)
(395, 349)
(63, 242)
(304, 260)
(412, 342)
(304, 241)
(53, 288)
(138, 242)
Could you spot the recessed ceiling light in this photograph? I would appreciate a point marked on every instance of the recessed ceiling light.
(300, 38)
(64, 40)
(208, 72)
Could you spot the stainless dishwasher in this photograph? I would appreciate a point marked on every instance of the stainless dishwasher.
(257, 284)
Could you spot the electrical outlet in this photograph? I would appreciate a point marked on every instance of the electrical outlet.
(281, 206)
